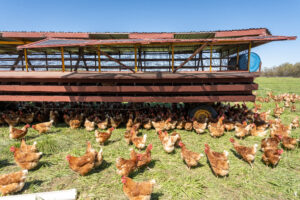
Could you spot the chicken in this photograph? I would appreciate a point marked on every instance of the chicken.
(26, 118)
(180, 124)
(12, 121)
(272, 156)
(15, 133)
(102, 137)
(84, 164)
(28, 148)
(125, 167)
(168, 142)
(145, 158)
(295, 122)
(289, 143)
(75, 123)
(53, 115)
(218, 161)
(67, 119)
(188, 125)
(229, 125)
(13, 182)
(26, 159)
(281, 129)
(43, 127)
(255, 131)
(190, 158)
(89, 126)
(247, 153)
(293, 108)
(116, 121)
(160, 125)
(199, 127)
(178, 138)
(137, 190)
(242, 130)
(217, 129)
(102, 124)
(139, 142)
(147, 124)
(129, 123)
(270, 143)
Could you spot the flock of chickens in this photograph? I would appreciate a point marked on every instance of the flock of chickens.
(245, 122)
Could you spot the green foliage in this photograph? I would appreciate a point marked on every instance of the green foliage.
(283, 70)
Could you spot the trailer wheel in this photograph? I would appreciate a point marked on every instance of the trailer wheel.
(203, 111)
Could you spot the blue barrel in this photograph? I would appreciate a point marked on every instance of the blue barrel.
(254, 62)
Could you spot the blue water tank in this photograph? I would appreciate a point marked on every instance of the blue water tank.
(254, 62)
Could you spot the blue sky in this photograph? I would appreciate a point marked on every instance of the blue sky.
(280, 17)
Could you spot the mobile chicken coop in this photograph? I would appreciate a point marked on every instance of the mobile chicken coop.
(188, 67)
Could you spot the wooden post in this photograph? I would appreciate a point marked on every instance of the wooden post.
(172, 58)
(135, 59)
(210, 59)
(249, 52)
(26, 60)
(62, 59)
(99, 59)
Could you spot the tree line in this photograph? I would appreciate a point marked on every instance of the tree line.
(285, 69)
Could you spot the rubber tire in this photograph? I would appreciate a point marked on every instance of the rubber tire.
(206, 109)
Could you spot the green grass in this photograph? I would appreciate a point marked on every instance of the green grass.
(174, 180)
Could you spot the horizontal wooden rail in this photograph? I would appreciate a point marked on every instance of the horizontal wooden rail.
(170, 99)
(124, 89)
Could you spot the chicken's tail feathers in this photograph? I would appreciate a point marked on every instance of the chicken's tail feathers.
(153, 181)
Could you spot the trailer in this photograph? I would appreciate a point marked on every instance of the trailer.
(187, 67)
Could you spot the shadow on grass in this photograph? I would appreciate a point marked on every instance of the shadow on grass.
(4, 163)
(142, 169)
(27, 137)
(155, 196)
(34, 182)
(42, 164)
(102, 167)
(111, 141)
(236, 154)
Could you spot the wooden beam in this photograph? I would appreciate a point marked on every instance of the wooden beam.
(62, 59)
(26, 59)
(126, 89)
(18, 59)
(115, 60)
(13, 42)
(161, 99)
(99, 59)
(193, 55)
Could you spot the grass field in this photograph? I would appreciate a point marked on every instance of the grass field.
(174, 180)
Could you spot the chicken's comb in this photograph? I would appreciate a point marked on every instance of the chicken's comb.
(180, 144)
(12, 149)
(206, 146)
(150, 146)
(231, 140)
(27, 125)
(123, 179)
(280, 151)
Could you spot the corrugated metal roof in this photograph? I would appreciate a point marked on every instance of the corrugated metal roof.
(54, 42)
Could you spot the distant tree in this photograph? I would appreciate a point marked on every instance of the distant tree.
(285, 69)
